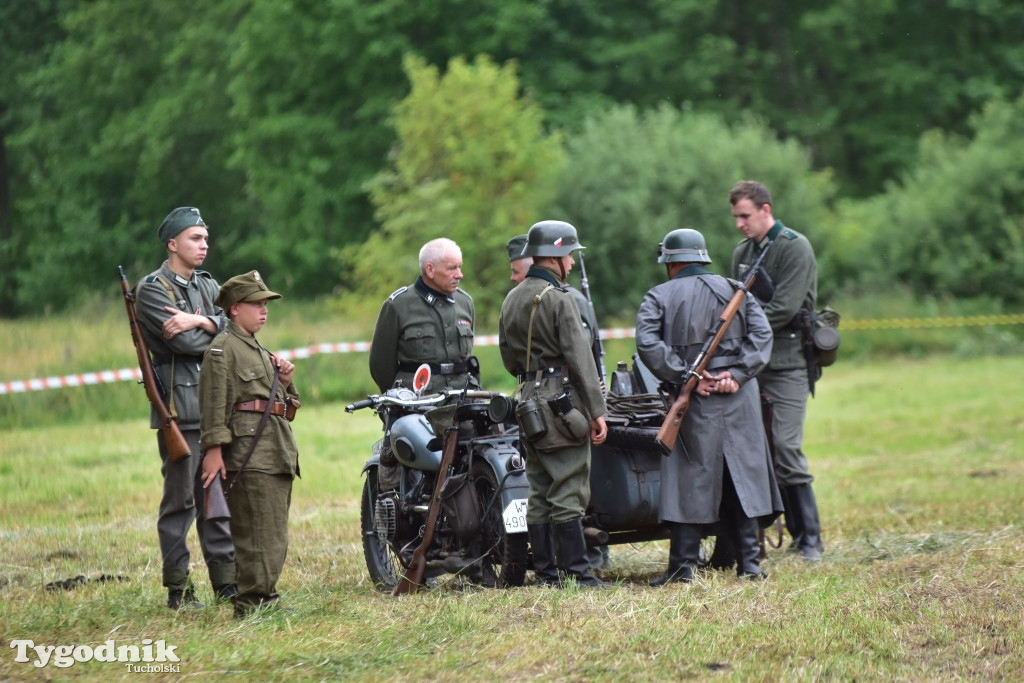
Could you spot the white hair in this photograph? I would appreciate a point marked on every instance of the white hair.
(435, 250)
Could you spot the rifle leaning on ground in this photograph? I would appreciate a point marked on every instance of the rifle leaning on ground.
(412, 579)
(596, 348)
(669, 431)
(177, 447)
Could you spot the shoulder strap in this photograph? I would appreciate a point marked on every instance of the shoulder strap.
(529, 334)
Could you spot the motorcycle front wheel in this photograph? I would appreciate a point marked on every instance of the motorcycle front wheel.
(504, 558)
(381, 561)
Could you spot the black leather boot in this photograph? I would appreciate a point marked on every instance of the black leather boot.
(571, 554)
(683, 554)
(543, 546)
(748, 551)
(794, 525)
(806, 508)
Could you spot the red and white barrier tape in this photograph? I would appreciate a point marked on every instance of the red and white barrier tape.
(134, 374)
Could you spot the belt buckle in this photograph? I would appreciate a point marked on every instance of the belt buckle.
(447, 368)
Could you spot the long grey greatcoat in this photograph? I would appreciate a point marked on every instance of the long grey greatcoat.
(672, 324)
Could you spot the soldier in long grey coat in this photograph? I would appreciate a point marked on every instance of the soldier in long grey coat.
(720, 465)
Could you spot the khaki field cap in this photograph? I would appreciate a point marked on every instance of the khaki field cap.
(177, 221)
(249, 288)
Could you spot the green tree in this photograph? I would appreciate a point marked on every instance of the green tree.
(954, 224)
(472, 163)
(633, 176)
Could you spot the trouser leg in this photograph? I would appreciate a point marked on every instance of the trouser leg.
(177, 509)
(215, 543)
(741, 529)
(805, 507)
(259, 506)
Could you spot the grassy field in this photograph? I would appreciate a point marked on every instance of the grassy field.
(920, 469)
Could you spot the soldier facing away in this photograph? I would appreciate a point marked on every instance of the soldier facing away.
(720, 466)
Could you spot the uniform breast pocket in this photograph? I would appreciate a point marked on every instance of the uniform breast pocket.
(251, 373)
(465, 341)
(419, 342)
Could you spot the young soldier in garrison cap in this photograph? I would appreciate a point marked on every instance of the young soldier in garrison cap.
(176, 309)
(236, 384)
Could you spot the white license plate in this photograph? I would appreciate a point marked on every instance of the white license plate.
(515, 517)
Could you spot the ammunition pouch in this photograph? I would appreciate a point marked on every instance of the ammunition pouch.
(550, 421)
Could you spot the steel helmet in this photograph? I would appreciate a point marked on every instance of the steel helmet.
(551, 238)
(683, 246)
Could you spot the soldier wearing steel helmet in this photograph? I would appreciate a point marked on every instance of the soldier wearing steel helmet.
(544, 345)
(720, 466)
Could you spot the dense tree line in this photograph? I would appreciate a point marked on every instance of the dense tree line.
(303, 128)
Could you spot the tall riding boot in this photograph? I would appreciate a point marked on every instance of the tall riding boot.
(748, 551)
(683, 554)
(794, 524)
(806, 507)
(543, 546)
(571, 554)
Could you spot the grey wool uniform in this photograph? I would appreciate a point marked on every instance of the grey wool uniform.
(719, 431)
(418, 325)
(559, 481)
(177, 364)
(237, 370)
(794, 273)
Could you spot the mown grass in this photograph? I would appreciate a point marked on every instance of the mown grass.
(920, 471)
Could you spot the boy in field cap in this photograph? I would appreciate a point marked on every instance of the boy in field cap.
(254, 450)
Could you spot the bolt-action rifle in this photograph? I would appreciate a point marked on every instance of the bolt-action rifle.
(177, 447)
(596, 348)
(412, 579)
(669, 431)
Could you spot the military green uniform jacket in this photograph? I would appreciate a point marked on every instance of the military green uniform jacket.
(794, 272)
(559, 339)
(237, 369)
(419, 325)
(192, 296)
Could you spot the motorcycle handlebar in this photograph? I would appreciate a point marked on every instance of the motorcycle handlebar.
(430, 399)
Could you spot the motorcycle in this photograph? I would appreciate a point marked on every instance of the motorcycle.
(480, 529)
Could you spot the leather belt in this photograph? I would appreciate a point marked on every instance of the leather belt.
(537, 375)
(437, 368)
(280, 408)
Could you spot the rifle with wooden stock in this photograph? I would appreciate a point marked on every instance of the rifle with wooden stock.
(669, 431)
(177, 447)
(414, 574)
(596, 348)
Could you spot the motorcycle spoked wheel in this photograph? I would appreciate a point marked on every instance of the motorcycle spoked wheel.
(504, 558)
(381, 561)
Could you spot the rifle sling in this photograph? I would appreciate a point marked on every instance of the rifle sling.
(259, 427)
